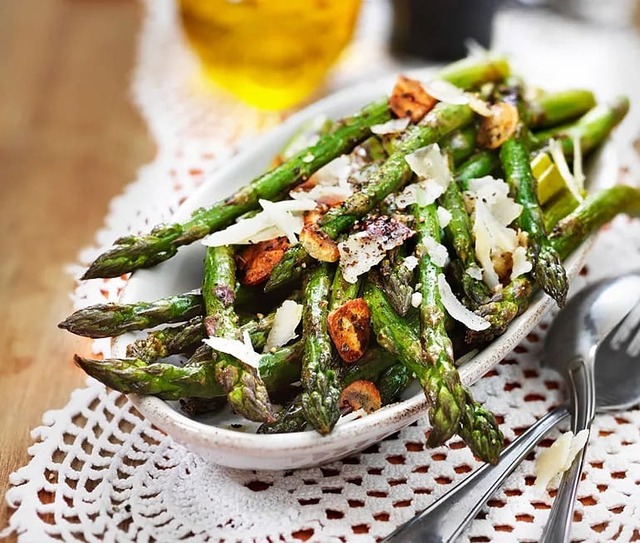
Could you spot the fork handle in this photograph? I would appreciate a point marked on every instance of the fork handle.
(558, 525)
(445, 519)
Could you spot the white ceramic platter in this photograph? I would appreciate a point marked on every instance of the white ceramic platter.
(229, 440)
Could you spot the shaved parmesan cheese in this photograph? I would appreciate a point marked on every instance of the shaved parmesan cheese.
(491, 236)
(416, 299)
(479, 106)
(391, 127)
(278, 219)
(243, 351)
(429, 163)
(521, 264)
(411, 262)
(283, 219)
(558, 458)
(363, 250)
(450, 94)
(555, 149)
(578, 172)
(331, 182)
(437, 252)
(428, 191)
(475, 273)
(446, 92)
(285, 322)
(458, 311)
(495, 193)
(444, 217)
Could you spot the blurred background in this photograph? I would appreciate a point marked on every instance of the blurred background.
(71, 138)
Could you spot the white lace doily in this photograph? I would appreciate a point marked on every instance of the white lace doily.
(100, 473)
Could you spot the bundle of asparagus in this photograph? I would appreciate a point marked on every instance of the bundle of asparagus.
(391, 237)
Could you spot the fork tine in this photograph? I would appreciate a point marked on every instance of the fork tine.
(626, 335)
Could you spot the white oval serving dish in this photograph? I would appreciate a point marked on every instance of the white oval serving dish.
(228, 440)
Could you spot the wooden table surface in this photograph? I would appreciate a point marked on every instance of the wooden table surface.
(69, 142)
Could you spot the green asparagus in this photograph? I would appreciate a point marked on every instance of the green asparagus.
(480, 431)
(447, 394)
(108, 320)
(245, 390)
(320, 399)
(548, 270)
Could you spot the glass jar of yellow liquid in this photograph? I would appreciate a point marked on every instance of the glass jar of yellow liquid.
(270, 53)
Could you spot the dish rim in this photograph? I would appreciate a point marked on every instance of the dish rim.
(394, 416)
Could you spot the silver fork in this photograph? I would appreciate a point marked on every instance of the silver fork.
(445, 519)
(623, 343)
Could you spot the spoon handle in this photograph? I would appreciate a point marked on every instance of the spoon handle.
(583, 394)
(445, 519)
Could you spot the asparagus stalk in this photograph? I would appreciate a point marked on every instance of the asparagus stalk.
(440, 383)
(181, 339)
(459, 230)
(168, 341)
(551, 109)
(548, 270)
(461, 143)
(291, 419)
(591, 129)
(393, 382)
(194, 406)
(596, 210)
(480, 431)
(169, 382)
(108, 320)
(245, 389)
(320, 399)
(342, 291)
(447, 394)
(140, 251)
(134, 376)
(396, 280)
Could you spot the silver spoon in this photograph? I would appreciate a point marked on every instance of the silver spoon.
(594, 312)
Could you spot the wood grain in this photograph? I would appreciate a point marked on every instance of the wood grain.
(69, 142)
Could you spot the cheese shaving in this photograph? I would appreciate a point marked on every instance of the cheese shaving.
(475, 273)
(285, 322)
(444, 217)
(458, 311)
(411, 263)
(495, 193)
(521, 264)
(278, 219)
(558, 458)
(429, 163)
(578, 171)
(243, 351)
(448, 93)
(437, 252)
(391, 127)
(555, 149)
(416, 299)
(491, 236)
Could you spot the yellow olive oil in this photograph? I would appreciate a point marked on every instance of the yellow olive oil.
(270, 53)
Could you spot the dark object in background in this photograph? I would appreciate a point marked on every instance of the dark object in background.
(438, 29)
